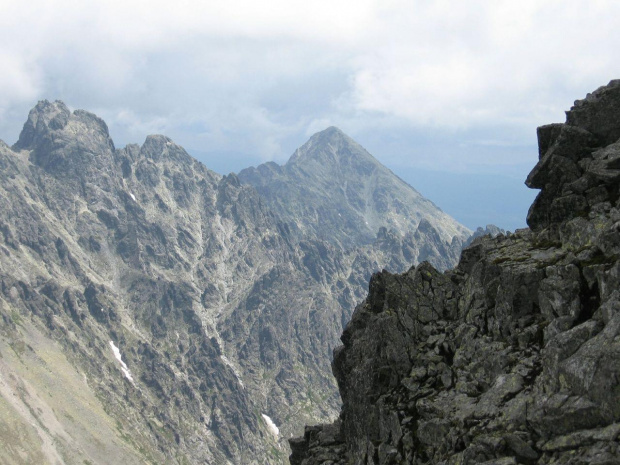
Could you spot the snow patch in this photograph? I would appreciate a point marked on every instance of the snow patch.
(133, 197)
(272, 426)
(124, 368)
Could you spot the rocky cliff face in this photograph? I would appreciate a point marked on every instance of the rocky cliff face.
(512, 357)
(106, 255)
(154, 311)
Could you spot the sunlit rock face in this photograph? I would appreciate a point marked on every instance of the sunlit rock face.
(154, 311)
(511, 357)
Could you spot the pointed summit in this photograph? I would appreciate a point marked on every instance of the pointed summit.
(333, 188)
(331, 131)
(333, 148)
(333, 136)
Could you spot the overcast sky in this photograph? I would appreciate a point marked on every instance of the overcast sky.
(446, 93)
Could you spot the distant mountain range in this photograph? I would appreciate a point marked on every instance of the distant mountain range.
(154, 311)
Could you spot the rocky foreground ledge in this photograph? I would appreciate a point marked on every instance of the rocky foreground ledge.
(513, 356)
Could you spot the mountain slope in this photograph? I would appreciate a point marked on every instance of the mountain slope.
(335, 190)
(181, 308)
(101, 249)
(512, 357)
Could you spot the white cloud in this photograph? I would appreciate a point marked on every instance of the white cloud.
(18, 80)
(479, 62)
(142, 24)
(257, 77)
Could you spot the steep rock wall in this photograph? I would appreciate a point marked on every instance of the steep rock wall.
(512, 357)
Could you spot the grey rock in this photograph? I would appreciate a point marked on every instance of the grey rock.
(597, 113)
(489, 229)
(512, 356)
(222, 309)
(331, 184)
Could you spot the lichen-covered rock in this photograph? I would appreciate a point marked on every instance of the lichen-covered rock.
(512, 357)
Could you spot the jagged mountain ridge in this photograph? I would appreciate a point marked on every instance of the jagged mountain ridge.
(218, 312)
(85, 264)
(488, 230)
(512, 357)
(332, 184)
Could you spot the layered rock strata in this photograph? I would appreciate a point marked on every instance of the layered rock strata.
(513, 356)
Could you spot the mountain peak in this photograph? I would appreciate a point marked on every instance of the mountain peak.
(52, 117)
(331, 183)
(330, 132)
(332, 147)
(44, 115)
(63, 141)
(158, 147)
(332, 135)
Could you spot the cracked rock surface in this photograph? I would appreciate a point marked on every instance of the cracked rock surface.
(513, 356)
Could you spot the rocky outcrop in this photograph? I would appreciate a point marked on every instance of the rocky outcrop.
(511, 357)
(579, 162)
